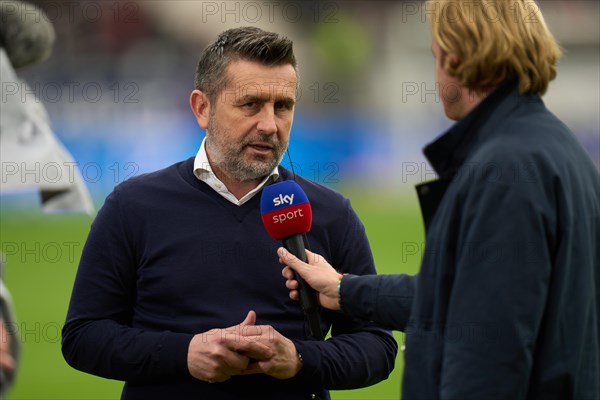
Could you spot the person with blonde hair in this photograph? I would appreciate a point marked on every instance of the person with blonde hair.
(506, 303)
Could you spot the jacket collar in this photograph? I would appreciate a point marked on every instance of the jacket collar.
(449, 151)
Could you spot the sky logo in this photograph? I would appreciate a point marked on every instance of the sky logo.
(285, 210)
(281, 200)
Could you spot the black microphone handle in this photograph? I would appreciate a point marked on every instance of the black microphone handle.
(308, 297)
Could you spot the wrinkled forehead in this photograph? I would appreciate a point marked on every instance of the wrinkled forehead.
(250, 79)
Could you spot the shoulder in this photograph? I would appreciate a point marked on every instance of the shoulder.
(530, 157)
(155, 181)
(531, 144)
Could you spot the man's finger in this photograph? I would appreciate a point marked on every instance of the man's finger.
(250, 347)
(254, 368)
(310, 256)
(250, 319)
(292, 261)
(291, 284)
(287, 273)
(294, 295)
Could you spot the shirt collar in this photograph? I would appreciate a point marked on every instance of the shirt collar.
(203, 171)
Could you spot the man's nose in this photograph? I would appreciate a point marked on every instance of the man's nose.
(266, 121)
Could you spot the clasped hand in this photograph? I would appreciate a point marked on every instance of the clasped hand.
(244, 349)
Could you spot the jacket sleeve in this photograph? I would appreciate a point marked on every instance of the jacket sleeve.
(503, 266)
(358, 353)
(97, 337)
(383, 299)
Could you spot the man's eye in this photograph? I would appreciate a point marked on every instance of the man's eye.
(250, 105)
(284, 105)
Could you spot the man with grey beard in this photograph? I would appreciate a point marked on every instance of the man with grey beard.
(178, 291)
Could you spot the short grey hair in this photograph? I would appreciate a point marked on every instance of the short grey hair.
(246, 43)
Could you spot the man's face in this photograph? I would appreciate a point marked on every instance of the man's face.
(449, 88)
(250, 121)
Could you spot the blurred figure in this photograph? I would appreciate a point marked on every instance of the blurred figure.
(178, 268)
(32, 157)
(9, 341)
(27, 145)
(506, 303)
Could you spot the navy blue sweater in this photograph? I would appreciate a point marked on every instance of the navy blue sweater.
(167, 257)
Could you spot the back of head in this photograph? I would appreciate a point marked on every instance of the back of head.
(26, 33)
(246, 43)
(495, 40)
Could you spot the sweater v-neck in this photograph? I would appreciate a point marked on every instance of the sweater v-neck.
(238, 211)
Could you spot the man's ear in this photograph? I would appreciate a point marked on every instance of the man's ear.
(200, 107)
(453, 60)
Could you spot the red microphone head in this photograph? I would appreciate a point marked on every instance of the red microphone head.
(285, 210)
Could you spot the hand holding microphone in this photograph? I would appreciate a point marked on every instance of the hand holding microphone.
(317, 273)
(287, 216)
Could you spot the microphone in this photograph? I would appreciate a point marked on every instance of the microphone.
(26, 33)
(287, 215)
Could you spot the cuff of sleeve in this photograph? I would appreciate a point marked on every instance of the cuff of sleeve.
(311, 359)
(358, 295)
(171, 355)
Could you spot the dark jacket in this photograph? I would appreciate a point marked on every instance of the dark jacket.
(507, 301)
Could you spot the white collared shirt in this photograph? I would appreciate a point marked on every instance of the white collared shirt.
(204, 172)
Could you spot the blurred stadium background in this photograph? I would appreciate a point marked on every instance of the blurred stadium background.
(117, 87)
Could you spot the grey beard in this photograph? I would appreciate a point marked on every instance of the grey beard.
(242, 172)
(229, 159)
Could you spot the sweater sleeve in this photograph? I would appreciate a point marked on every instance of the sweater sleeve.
(98, 337)
(358, 353)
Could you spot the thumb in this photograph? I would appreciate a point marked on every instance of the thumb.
(298, 266)
(250, 319)
(287, 258)
(311, 257)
